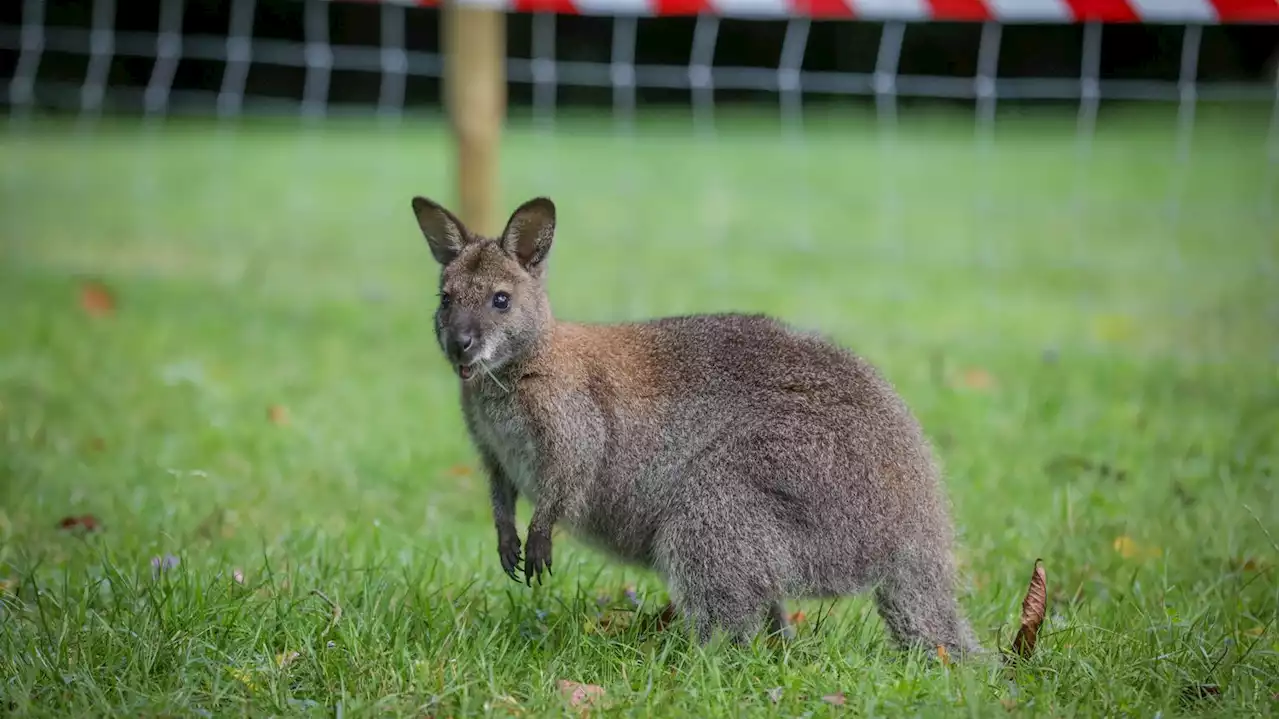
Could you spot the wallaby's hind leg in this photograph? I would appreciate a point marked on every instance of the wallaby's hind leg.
(713, 595)
(704, 567)
(917, 602)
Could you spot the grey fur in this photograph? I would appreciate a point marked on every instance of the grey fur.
(743, 460)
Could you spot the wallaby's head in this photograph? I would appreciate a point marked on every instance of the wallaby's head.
(493, 305)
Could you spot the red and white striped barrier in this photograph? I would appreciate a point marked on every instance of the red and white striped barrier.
(1210, 12)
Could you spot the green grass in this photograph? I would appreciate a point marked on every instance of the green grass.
(1131, 351)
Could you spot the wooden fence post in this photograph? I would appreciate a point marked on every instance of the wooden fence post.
(475, 44)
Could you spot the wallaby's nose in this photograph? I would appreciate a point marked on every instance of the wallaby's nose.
(465, 340)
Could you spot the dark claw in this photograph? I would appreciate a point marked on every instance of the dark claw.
(509, 554)
(537, 558)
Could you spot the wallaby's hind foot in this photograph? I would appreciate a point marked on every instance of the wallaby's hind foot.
(704, 572)
(712, 604)
(917, 603)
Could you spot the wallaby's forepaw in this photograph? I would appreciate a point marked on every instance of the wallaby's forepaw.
(537, 556)
(509, 553)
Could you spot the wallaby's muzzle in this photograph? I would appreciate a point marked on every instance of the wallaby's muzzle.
(462, 345)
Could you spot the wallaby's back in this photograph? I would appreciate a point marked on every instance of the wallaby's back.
(766, 390)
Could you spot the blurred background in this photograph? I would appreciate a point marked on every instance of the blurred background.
(1049, 161)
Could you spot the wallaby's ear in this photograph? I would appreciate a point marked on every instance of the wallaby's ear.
(445, 234)
(529, 232)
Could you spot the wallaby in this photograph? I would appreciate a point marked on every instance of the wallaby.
(742, 460)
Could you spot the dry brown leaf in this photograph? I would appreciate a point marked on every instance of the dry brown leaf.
(837, 699)
(277, 414)
(1034, 605)
(96, 300)
(85, 522)
(460, 470)
(666, 617)
(977, 378)
(1249, 564)
(1130, 549)
(580, 695)
(943, 655)
(797, 616)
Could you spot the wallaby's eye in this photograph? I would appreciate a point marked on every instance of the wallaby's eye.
(501, 300)
(444, 300)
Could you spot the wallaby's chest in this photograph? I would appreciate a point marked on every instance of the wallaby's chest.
(500, 427)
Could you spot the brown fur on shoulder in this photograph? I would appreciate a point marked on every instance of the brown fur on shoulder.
(743, 460)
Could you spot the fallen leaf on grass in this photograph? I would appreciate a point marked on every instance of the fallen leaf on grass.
(1130, 549)
(977, 378)
(943, 655)
(1033, 610)
(667, 616)
(284, 659)
(580, 695)
(836, 699)
(245, 676)
(775, 694)
(96, 300)
(797, 616)
(1249, 564)
(85, 522)
(278, 415)
(460, 470)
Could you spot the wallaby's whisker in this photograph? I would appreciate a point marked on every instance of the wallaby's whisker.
(485, 366)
